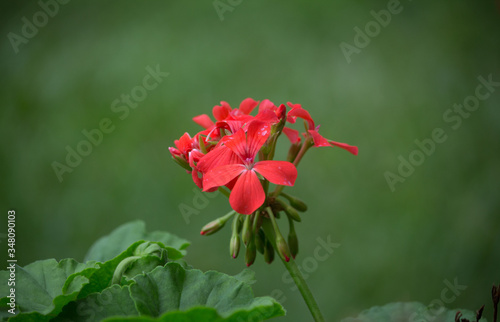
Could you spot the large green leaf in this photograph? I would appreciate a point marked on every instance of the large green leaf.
(410, 312)
(172, 293)
(41, 286)
(113, 244)
(45, 287)
(113, 301)
(172, 288)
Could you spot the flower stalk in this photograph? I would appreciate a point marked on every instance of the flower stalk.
(296, 275)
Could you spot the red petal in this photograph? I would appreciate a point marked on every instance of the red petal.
(248, 105)
(351, 148)
(237, 143)
(197, 180)
(266, 105)
(222, 111)
(204, 121)
(267, 116)
(292, 106)
(232, 125)
(278, 172)
(281, 111)
(318, 139)
(194, 157)
(257, 134)
(185, 143)
(303, 114)
(174, 152)
(247, 194)
(321, 141)
(221, 175)
(292, 135)
(217, 157)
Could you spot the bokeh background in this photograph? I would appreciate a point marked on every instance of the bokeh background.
(441, 223)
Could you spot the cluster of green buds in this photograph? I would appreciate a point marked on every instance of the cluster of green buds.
(260, 232)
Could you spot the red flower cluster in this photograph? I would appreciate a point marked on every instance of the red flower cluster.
(225, 153)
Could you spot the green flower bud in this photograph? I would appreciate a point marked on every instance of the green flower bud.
(282, 248)
(260, 241)
(246, 232)
(269, 253)
(216, 225)
(234, 245)
(251, 253)
(295, 202)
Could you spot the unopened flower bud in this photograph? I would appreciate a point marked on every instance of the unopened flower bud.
(269, 253)
(216, 225)
(251, 253)
(282, 248)
(234, 245)
(260, 241)
(295, 202)
(246, 232)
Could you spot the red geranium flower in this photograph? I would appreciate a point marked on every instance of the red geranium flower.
(247, 194)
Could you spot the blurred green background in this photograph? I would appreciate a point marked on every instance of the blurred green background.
(441, 223)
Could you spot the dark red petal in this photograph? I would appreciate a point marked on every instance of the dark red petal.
(217, 157)
(221, 112)
(221, 175)
(351, 148)
(267, 105)
(257, 134)
(281, 111)
(237, 143)
(303, 114)
(278, 172)
(292, 135)
(204, 121)
(247, 194)
(248, 105)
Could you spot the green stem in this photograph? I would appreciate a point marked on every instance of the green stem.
(224, 191)
(296, 275)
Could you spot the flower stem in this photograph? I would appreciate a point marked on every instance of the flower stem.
(296, 275)
(224, 191)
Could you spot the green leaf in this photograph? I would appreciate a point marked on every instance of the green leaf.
(411, 312)
(113, 301)
(40, 286)
(172, 293)
(172, 288)
(45, 287)
(110, 246)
